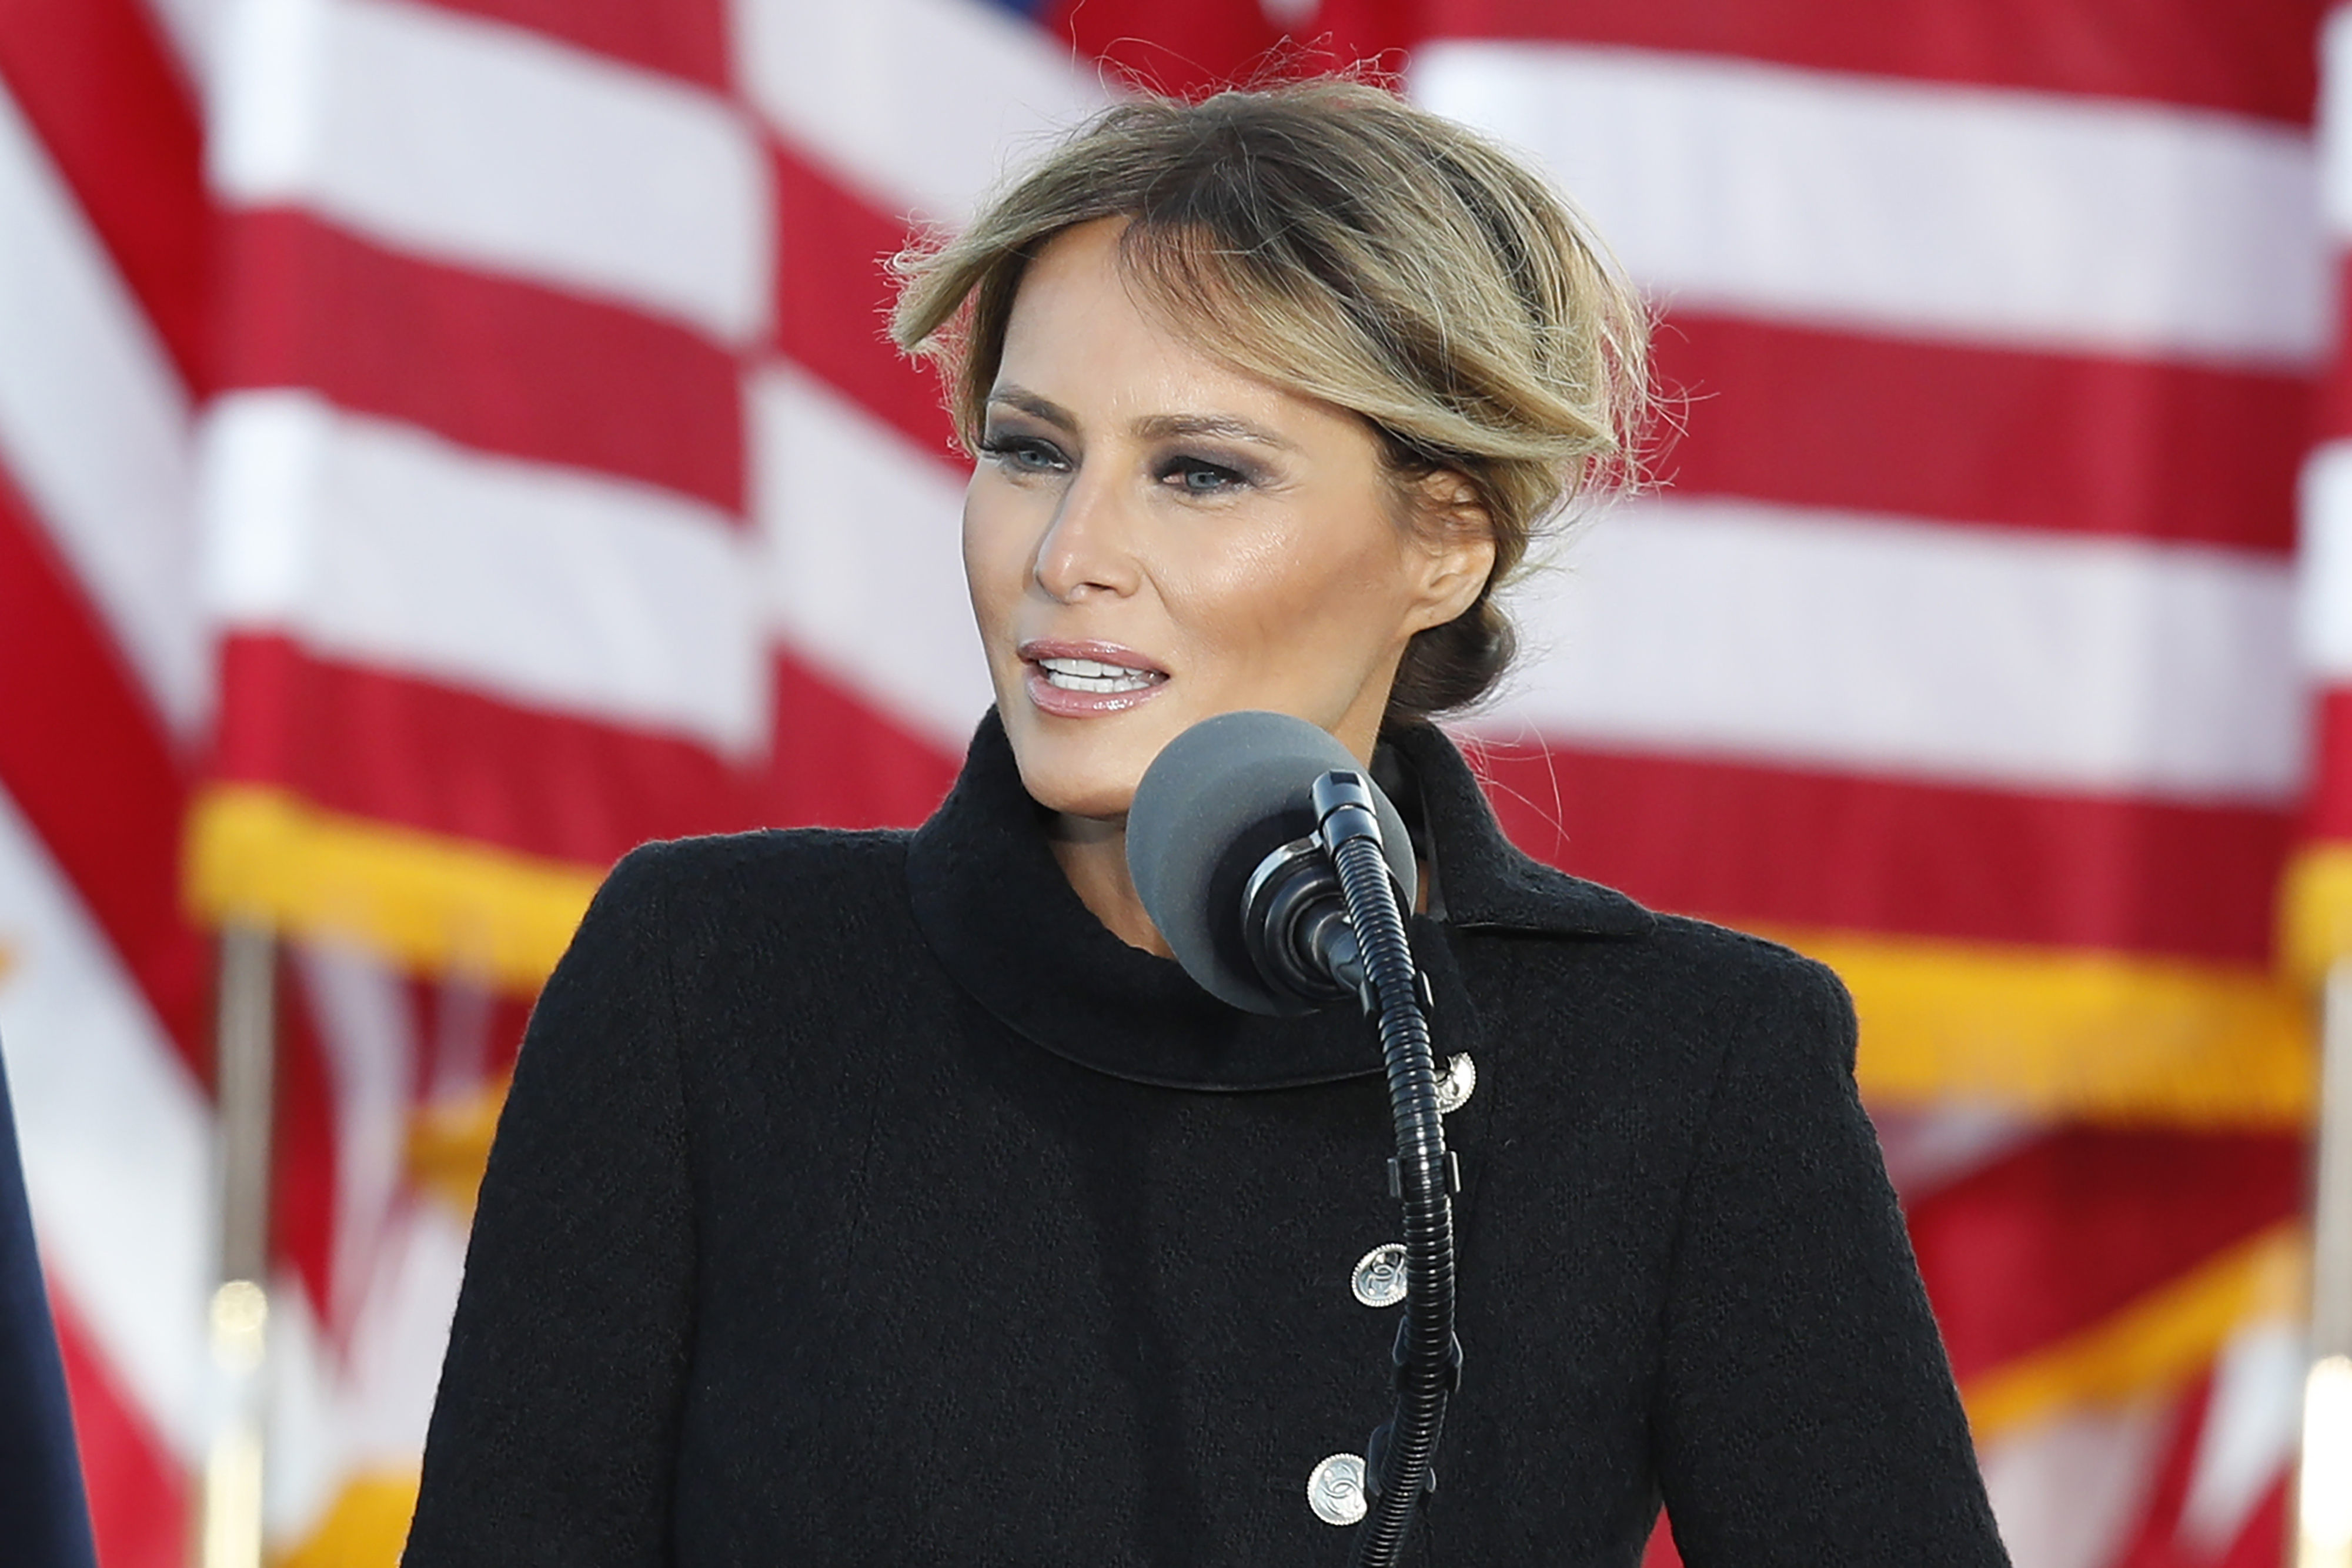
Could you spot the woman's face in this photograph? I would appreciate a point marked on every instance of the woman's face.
(1153, 538)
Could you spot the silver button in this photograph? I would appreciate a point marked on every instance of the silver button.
(1456, 1082)
(1335, 1490)
(1378, 1279)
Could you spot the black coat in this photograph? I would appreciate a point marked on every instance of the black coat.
(862, 1199)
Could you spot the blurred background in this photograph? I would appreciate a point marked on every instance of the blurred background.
(444, 442)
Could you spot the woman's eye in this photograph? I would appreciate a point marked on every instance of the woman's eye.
(1195, 477)
(1024, 454)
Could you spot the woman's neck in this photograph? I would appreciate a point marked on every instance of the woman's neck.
(1093, 854)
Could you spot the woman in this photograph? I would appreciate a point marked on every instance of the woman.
(892, 1199)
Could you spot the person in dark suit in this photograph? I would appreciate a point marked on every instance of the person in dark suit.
(43, 1518)
(895, 1198)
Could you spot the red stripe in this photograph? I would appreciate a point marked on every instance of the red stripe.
(1739, 842)
(2250, 56)
(105, 95)
(2255, 57)
(89, 763)
(387, 748)
(833, 297)
(2329, 814)
(489, 361)
(2158, 1540)
(304, 1183)
(2154, 1542)
(840, 764)
(680, 37)
(373, 744)
(138, 1493)
(1200, 46)
(1981, 435)
(2262, 1543)
(2077, 1225)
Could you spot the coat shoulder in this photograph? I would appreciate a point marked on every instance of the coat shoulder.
(1673, 955)
(789, 868)
(1760, 995)
(1733, 958)
(1669, 1011)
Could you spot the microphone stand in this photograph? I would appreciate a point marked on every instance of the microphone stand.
(1320, 917)
(1428, 1357)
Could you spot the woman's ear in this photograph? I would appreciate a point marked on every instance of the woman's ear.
(1455, 535)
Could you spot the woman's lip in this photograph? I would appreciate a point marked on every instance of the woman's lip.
(1038, 648)
(1063, 703)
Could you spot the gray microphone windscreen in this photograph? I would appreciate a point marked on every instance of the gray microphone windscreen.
(1217, 800)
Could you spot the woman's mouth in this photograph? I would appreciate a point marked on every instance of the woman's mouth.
(1093, 676)
(1077, 682)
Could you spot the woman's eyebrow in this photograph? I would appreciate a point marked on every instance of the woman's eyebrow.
(1218, 426)
(1029, 402)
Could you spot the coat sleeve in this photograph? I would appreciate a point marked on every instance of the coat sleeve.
(554, 1432)
(1806, 1411)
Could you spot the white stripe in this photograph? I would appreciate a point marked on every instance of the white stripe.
(549, 587)
(93, 425)
(1995, 656)
(2324, 562)
(2250, 1431)
(2067, 1492)
(2335, 121)
(1926, 1151)
(116, 1140)
(923, 103)
(494, 147)
(189, 28)
(367, 1039)
(865, 556)
(1970, 213)
(354, 1405)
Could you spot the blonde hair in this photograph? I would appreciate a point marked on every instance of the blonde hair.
(1331, 239)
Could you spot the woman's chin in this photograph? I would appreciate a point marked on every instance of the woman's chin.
(1087, 774)
(1101, 795)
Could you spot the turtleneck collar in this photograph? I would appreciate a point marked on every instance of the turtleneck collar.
(996, 907)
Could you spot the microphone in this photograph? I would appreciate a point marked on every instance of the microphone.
(1221, 843)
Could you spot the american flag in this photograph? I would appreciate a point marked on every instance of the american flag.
(444, 442)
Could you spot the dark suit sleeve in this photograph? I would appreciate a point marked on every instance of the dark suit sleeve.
(43, 1516)
(1806, 1414)
(555, 1433)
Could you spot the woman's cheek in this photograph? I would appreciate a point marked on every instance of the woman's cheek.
(1238, 588)
(993, 561)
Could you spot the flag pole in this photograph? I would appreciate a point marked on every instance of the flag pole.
(2323, 1485)
(229, 1523)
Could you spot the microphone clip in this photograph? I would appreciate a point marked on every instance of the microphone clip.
(1294, 914)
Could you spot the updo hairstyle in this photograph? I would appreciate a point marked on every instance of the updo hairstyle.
(1333, 240)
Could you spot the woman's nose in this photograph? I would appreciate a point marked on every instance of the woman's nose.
(1088, 545)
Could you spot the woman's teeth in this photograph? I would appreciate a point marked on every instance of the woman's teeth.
(1093, 676)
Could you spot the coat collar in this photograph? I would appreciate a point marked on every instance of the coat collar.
(1484, 881)
(993, 905)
